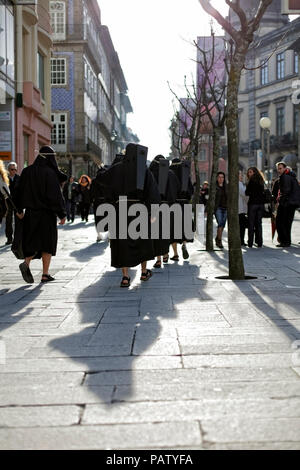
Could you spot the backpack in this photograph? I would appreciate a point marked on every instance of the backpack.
(267, 196)
(294, 198)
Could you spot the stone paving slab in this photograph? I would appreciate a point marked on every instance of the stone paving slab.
(184, 361)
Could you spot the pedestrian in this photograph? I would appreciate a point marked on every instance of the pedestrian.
(10, 216)
(127, 252)
(70, 192)
(288, 201)
(185, 193)
(243, 208)
(204, 194)
(221, 206)
(97, 198)
(39, 193)
(4, 191)
(169, 186)
(255, 190)
(84, 197)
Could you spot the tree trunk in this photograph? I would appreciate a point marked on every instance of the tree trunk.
(212, 190)
(236, 264)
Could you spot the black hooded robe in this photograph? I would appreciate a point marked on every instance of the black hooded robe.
(39, 193)
(162, 246)
(129, 253)
(182, 198)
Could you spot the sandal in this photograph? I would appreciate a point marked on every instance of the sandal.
(166, 258)
(125, 281)
(175, 258)
(48, 278)
(157, 264)
(26, 273)
(146, 275)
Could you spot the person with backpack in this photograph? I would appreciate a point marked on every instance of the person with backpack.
(288, 201)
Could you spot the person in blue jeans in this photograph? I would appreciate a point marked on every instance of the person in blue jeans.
(220, 207)
(255, 191)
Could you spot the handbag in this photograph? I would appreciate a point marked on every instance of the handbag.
(17, 244)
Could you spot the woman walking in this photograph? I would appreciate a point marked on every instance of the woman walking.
(84, 195)
(220, 207)
(255, 191)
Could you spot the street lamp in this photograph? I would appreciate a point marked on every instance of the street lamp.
(265, 123)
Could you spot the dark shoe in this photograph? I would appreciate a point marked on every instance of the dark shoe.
(47, 278)
(166, 258)
(125, 281)
(175, 258)
(146, 275)
(283, 245)
(9, 242)
(157, 264)
(185, 253)
(26, 273)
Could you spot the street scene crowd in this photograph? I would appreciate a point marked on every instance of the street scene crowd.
(32, 202)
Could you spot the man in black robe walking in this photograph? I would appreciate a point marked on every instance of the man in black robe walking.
(39, 193)
(128, 252)
(181, 170)
(169, 189)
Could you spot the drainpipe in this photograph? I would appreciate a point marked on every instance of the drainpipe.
(19, 55)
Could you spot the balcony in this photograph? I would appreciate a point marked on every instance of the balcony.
(32, 97)
(44, 26)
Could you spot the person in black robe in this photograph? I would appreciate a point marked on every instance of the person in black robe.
(39, 192)
(128, 252)
(162, 246)
(183, 197)
(97, 198)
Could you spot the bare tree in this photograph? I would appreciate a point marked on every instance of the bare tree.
(212, 90)
(241, 40)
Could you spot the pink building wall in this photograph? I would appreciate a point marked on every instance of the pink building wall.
(31, 121)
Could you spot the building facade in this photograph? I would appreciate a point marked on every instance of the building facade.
(266, 90)
(33, 90)
(89, 91)
(7, 81)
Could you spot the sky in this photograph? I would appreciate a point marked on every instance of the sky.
(153, 39)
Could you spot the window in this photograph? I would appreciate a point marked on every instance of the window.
(202, 155)
(203, 177)
(58, 20)
(41, 74)
(264, 72)
(58, 71)
(59, 130)
(280, 121)
(296, 122)
(280, 66)
(296, 63)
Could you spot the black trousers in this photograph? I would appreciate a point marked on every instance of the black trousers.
(9, 223)
(70, 208)
(284, 220)
(255, 215)
(84, 210)
(243, 225)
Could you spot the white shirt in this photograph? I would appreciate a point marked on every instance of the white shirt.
(243, 199)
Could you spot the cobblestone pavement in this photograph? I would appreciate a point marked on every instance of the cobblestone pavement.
(183, 361)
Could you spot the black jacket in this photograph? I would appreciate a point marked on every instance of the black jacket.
(255, 191)
(289, 189)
